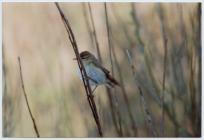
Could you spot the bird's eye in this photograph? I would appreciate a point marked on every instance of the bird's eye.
(84, 56)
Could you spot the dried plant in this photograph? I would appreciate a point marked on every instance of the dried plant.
(82, 70)
(26, 98)
(148, 117)
(164, 35)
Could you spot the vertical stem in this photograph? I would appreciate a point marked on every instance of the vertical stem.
(86, 17)
(94, 34)
(134, 127)
(146, 111)
(87, 87)
(108, 33)
(164, 35)
(199, 105)
(26, 98)
(111, 60)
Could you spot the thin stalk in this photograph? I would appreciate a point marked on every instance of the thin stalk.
(4, 95)
(148, 117)
(153, 79)
(87, 87)
(111, 60)
(114, 116)
(94, 34)
(195, 56)
(147, 59)
(108, 33)
(123, 27)
(134, 127)
(86, 17)
(164, 36)
(199, 105)
(124, 92)
(26, 98)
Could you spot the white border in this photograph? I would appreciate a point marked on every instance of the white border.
(1, 96)
(125, 1)
(171, 1)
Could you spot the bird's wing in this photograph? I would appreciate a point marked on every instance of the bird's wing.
(97, 64)
(107, 72)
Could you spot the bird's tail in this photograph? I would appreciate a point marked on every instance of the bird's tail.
(111, 82)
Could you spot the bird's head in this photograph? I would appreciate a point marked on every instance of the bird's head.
(86, 57)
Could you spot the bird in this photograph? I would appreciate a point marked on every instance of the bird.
(96, 73)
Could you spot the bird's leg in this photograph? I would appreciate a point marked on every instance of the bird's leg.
(94, 89)
(89, 78)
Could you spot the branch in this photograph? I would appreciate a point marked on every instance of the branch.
(82, 70)
(164, 35)
(94, 34)
(109, 31)
(26, 98)
(114, 116)
(146, 111)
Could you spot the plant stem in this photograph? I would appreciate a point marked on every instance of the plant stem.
(146, 111)
(164, 35)
(26, 98)
(82, 70)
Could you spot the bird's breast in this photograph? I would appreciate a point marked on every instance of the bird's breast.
(96, 74)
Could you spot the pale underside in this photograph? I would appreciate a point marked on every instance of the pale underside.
(96, 75)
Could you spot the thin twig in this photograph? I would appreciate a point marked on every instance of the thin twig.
(108, 33)
(137, 25)
(146, 111)
(82, 70)
(147, 59)
(86, 17)
(164, 35)
(4, 95)
(123, 27)
(199, 105)
(26, 98)
(111, 60)
(134, 127)
(93, 37)
(94, 34)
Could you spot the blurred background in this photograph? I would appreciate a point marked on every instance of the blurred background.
(160, 37)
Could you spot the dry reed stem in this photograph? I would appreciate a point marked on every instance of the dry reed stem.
(195, 91)
(134, 127)
(141, 44)
(108, 34)
(112, 107)
(168, 112)
(148, 117)
(137, 24)
(111, 60)
(4, 96)
(199, 105)
(164, 36)
(82, 70)
(94, 39)
(192, 88)
(123, 27)
(94, 34)
(26, 98)
(86, 17)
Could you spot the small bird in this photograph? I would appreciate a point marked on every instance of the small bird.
(97, 74)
